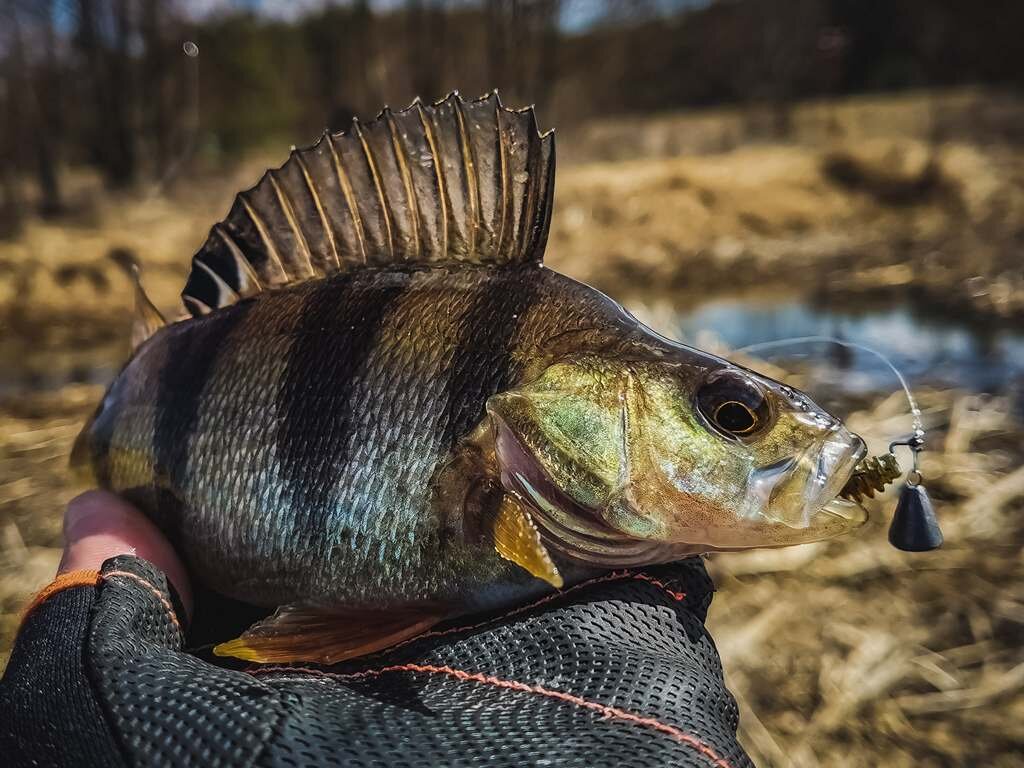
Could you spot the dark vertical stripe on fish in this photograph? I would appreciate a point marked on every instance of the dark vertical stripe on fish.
(484, 362)
(192, 354)
(336, 336)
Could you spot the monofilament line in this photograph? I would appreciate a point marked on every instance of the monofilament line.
(915, 411)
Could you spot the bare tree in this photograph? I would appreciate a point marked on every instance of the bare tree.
(11, 123)
(112, 137)
(523, 46)
(48, 114)
(425, 46)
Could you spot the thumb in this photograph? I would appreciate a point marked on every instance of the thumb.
(99, 525)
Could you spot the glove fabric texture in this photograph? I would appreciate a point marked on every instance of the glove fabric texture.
(618, 671)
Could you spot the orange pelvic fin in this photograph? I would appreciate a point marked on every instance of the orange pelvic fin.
(320, 636)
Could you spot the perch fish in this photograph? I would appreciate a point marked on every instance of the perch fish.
(383, 410)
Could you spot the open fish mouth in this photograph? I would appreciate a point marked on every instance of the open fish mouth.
(795, 490)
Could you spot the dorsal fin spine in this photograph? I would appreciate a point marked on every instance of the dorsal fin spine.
(437, 165)
(346, 187)
(230, 294)
(402, 160)
(526, 213)
(261, 229)
(289, 215)
(469, 168)
(371, 163)
(506, 197)
(245, 269)
(328, 229)
(540, 195)
(197, 307)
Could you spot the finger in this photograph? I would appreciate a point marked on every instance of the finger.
(99, 525)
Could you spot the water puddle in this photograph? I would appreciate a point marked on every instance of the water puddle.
(944, 350)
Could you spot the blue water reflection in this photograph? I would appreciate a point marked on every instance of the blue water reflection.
(943, 350)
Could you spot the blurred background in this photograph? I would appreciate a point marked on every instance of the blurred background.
(734, 172)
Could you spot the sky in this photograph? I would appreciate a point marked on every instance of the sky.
(577, 15)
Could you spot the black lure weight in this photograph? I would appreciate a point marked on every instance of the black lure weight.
(914, 527)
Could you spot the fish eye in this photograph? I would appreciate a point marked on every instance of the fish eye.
(733, 404)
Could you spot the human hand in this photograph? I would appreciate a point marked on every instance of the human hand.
(618, 671)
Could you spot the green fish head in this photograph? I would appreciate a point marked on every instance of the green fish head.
(620, 460)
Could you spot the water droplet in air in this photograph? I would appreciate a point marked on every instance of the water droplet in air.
(191, 49)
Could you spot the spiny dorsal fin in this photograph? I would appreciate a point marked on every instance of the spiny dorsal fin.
(457, 180)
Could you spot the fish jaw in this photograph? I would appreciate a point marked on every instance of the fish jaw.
(794, 491)
(772, 503)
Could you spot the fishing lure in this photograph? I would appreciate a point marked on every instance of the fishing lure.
(914, 526)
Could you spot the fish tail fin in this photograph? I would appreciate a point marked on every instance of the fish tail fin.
(454, 181)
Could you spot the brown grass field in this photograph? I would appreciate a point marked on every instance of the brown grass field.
(846, 653)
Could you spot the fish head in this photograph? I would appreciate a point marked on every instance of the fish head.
(629, 461)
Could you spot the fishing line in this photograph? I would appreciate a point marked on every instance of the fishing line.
(914, 526)
(915, 410)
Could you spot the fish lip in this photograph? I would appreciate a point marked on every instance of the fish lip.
(847, 510)
(829, 462)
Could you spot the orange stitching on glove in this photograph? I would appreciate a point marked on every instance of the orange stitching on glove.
(69, 580)
(514, 685)
(156, 593)
(677, 596)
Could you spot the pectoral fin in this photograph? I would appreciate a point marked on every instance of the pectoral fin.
(516, 539)
(296, 633)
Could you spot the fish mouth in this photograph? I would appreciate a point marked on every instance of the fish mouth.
(797, 490)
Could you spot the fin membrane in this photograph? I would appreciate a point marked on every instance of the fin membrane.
(457, 180)
(516, 539)
(295, 634)
(147, 319)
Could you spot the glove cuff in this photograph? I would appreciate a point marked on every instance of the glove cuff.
(69, 580)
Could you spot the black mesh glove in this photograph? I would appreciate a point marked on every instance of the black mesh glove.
(615, 672)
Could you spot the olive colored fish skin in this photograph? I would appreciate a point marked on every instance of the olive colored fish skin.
(290, 444)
